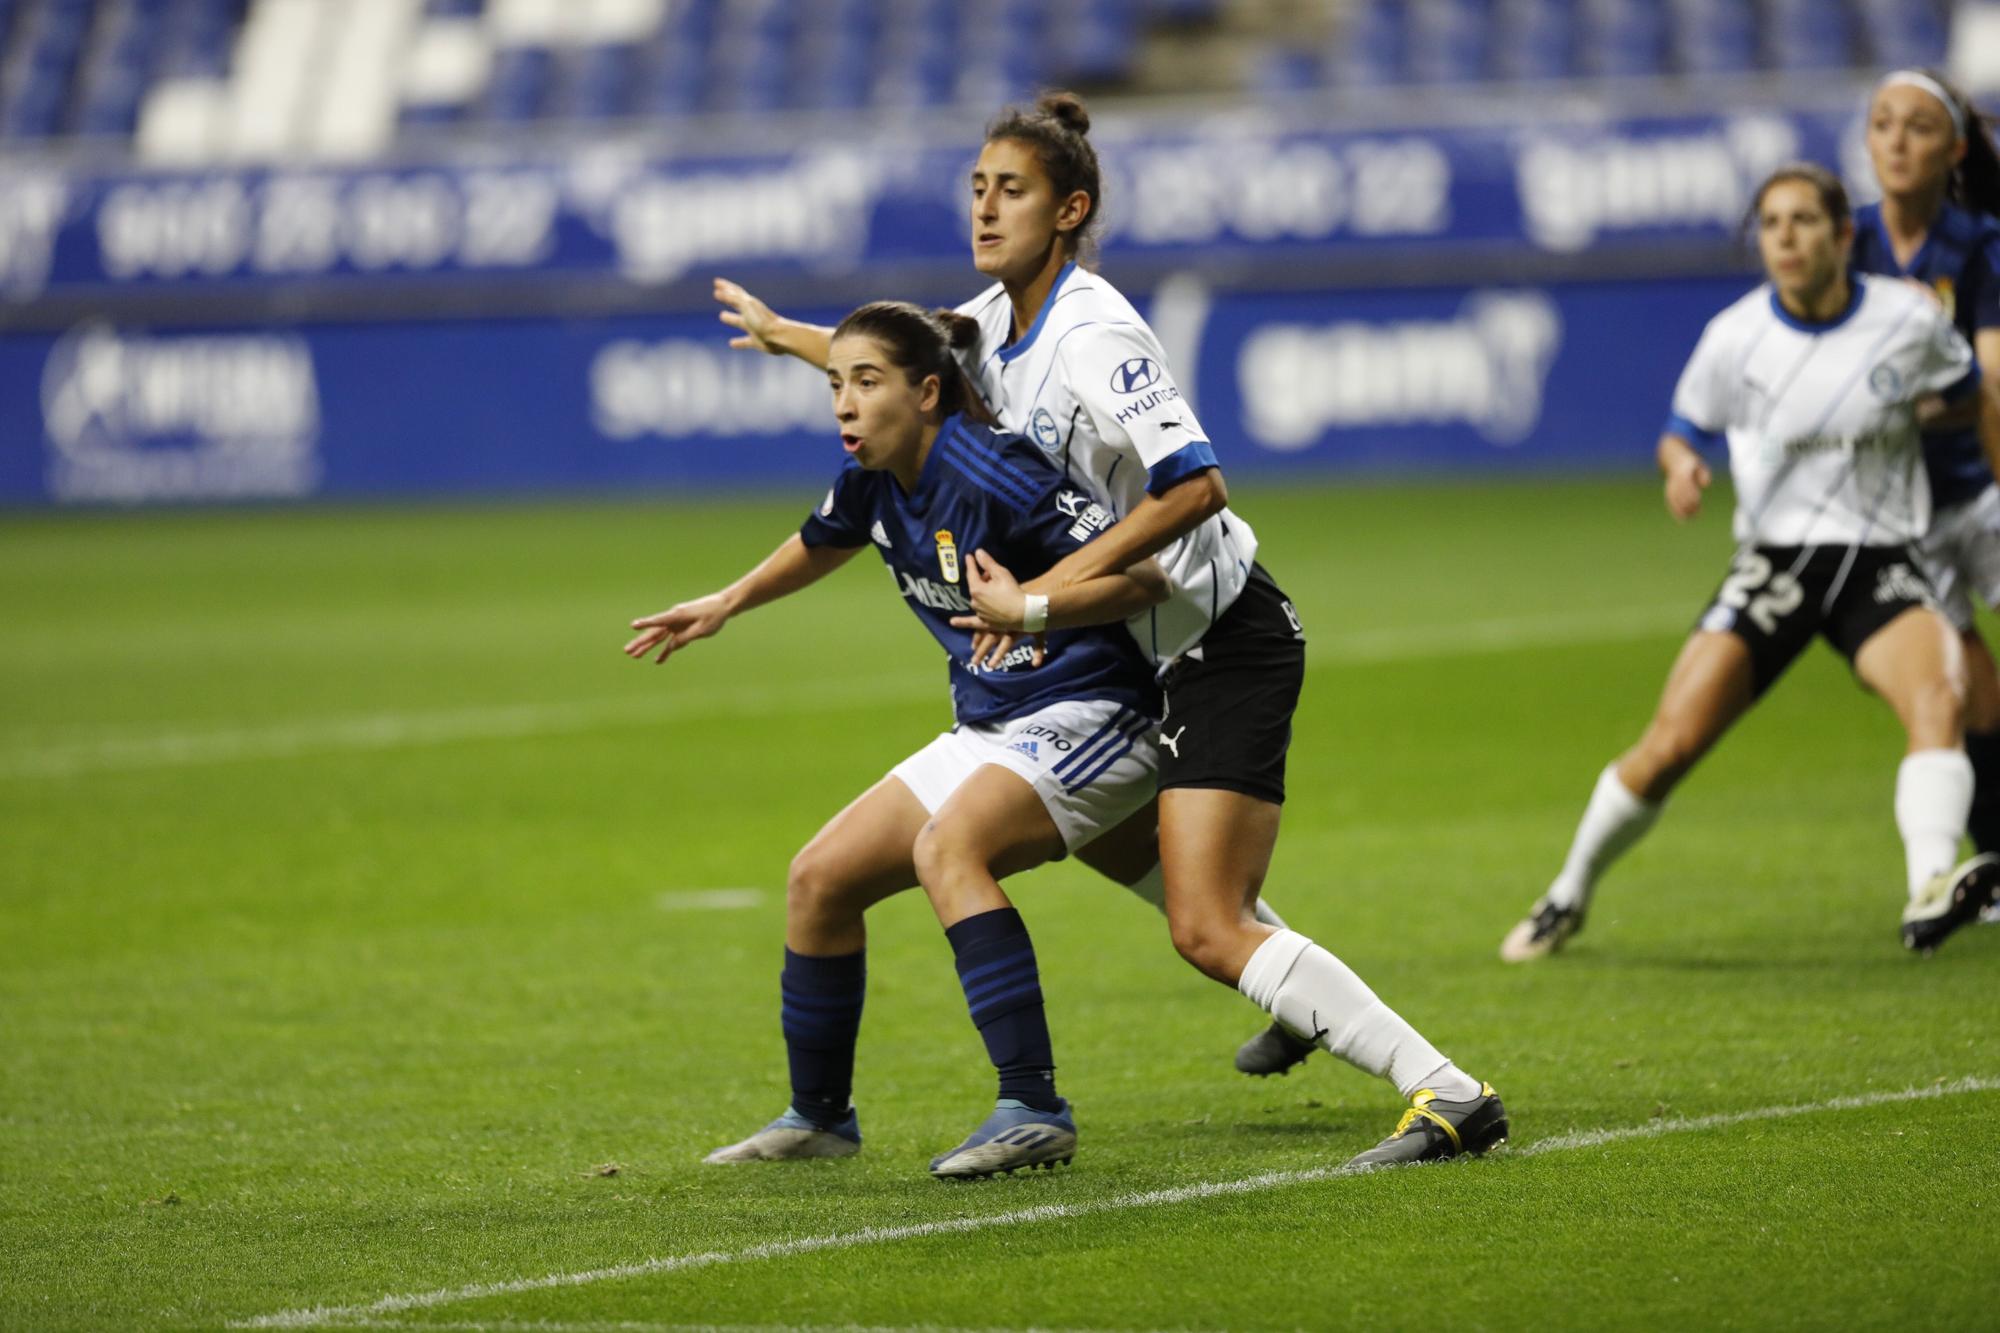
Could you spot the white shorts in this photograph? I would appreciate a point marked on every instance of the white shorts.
(1093, 762)
(1961, 556)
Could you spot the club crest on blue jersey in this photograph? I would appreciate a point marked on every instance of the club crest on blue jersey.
(947, 550)
(1138, 373)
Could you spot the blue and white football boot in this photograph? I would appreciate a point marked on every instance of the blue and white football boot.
(1015, 1137)
(790, 1137)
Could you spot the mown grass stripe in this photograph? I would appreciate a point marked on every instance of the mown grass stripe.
(390, 731)
(333, 1316)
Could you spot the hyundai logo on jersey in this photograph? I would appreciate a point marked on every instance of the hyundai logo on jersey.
(1134, 375)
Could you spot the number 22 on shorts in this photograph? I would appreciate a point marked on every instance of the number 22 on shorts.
(1763, 594)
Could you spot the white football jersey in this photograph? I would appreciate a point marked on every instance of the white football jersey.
(1821, 418)
(1089, 384)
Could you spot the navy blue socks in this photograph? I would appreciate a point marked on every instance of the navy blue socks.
(1003, 989)
(822, 1017)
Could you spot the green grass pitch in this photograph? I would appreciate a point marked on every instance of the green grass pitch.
(361, 907)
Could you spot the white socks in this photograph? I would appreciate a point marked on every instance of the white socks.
(1152, 888)
(1318, 996)
(1612, 822)
(1933, 798)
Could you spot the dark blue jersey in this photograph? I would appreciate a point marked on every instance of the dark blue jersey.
(985, 490)
(1960, 260)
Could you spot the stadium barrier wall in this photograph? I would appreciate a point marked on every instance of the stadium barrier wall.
(1514, 293)
(1437, 380)
(1245, 190)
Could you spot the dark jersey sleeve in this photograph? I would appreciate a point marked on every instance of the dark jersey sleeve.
(842, 517)
(1060, 518)
(1982, 269)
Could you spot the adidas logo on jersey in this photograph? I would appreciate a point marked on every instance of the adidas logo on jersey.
(881, 536)
(1028, 748)
(936, 596)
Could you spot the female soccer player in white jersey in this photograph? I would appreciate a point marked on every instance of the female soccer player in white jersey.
(1048, 751)
(1814, 380)
(1939, 224)
(1064, 359)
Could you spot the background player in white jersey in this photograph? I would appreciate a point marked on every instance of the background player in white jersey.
(1044, 755)
(1939, 224)
(1067, 361)
(1814, 379)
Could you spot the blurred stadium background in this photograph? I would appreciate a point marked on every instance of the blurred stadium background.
(371, 926)
(261, 249)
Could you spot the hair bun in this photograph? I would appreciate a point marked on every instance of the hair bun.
(1067, 109)
(961, 330)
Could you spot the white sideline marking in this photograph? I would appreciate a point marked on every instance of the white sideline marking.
(329, 1316)
(710, 900)
(391, 731)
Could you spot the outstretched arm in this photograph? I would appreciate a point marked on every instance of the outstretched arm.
(791, 567)
(765, 330)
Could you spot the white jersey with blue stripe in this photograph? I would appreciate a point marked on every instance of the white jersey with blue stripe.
(1821, 418)
(1089, 384)
(981, 489)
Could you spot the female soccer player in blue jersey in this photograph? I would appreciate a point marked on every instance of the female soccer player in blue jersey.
(1065, 360)
(1815, 379)
(1939, 224)
(1049, 749)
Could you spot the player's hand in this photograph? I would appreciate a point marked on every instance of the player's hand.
(997, 603)
(757, 320)
(996, 596)
(1686, 480)
(677, 627)
(990, 647)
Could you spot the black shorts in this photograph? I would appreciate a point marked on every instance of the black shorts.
(1777, 598)
(1230, 700)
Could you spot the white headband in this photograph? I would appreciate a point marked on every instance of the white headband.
(1916, 78)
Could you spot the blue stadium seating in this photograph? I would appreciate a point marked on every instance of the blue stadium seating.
(85, 66)
(1535, 39)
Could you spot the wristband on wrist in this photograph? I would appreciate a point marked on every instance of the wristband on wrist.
(1034, 613)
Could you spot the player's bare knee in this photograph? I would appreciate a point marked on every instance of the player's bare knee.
(1936, 713)
(813, 883)
(941, 855)
(1207, 943)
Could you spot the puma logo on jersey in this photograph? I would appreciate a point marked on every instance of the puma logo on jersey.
(1173, 742)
